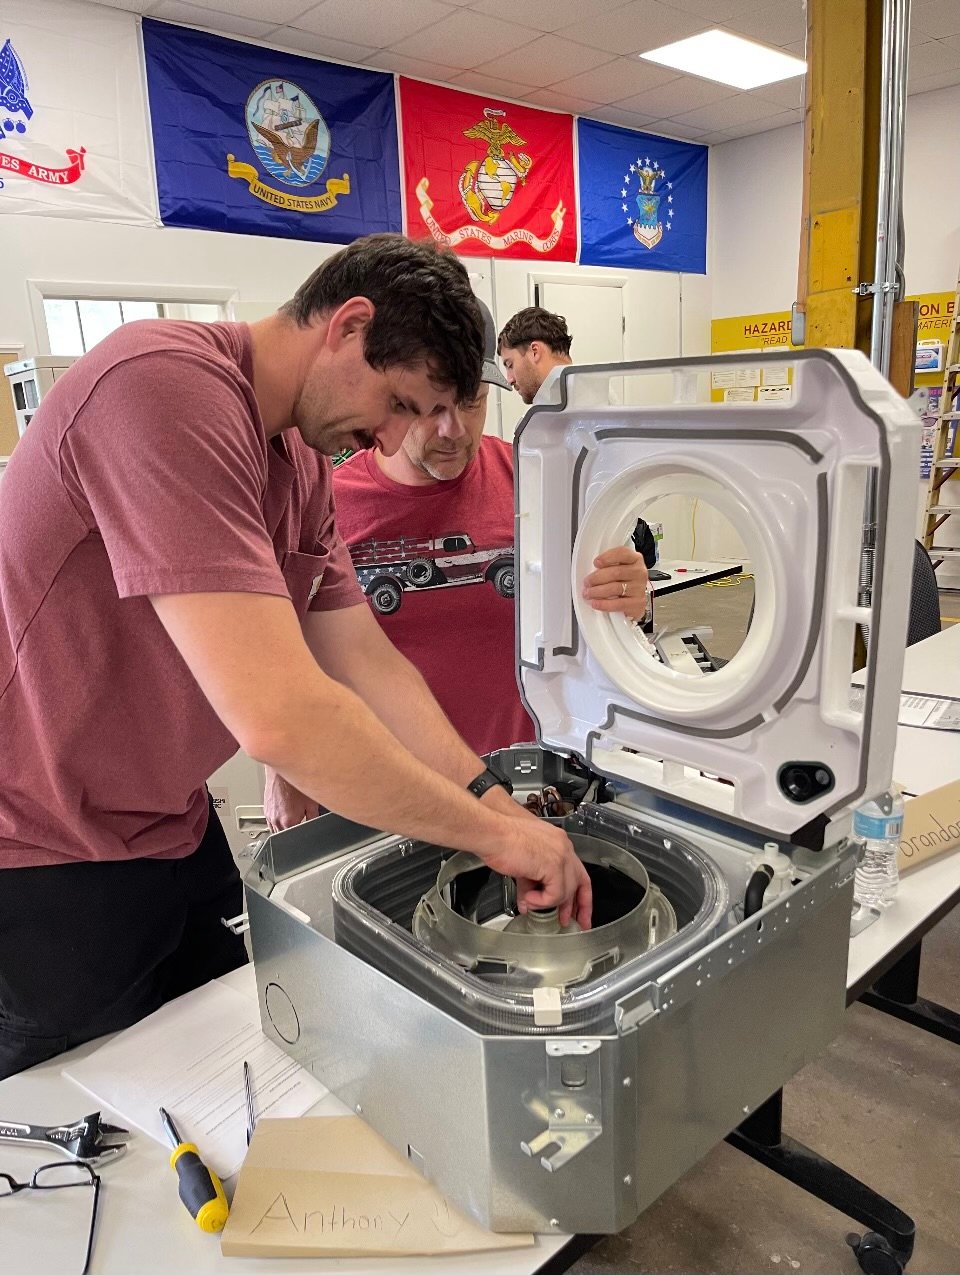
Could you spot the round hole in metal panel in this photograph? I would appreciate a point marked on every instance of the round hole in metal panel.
(282, 1014)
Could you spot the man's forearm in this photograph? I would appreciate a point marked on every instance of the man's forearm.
(396, 693)
(394, 791)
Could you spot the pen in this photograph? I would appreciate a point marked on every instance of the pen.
(200, 1189)
(682, 571)
(248, 1091)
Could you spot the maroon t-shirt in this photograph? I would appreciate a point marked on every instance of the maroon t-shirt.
(436, 563)
(145, 471)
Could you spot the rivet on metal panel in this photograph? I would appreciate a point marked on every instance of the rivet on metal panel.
(627, 1180)
(590, 1119)
(559, 1113)
(554, 1223)
(358, 1109)
(626, 1082)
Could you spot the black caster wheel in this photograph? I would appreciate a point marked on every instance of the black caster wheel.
(875, 1254)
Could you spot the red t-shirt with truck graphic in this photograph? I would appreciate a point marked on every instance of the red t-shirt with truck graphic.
(436, 565)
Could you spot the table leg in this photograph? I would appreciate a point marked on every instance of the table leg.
(896, 993)
(761, 1136)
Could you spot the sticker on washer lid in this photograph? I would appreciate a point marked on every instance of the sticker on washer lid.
(775, 393)
(723, 380)
(741, 395)
(547, 1007)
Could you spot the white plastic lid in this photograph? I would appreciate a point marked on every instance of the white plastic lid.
(775, 724)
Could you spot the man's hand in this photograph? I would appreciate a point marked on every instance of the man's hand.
(548, 872)
(620, 583)
(285, 806)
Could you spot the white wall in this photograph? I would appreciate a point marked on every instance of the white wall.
(755, 209)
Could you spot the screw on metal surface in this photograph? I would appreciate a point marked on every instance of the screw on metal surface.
(358, 1109)
(559, 1113)
(554, 1222)
(746, 1111)
(627, 1180)
(626, 1082)
(590, 1119)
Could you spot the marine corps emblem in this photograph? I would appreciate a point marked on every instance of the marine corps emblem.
(646, 222)
(291, 140)
(487, 185)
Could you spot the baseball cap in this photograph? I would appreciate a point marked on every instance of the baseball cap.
(491, 372)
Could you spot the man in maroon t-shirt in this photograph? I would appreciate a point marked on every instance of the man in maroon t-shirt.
(172, 584)
(430, 530)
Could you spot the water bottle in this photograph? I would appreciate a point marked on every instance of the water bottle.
(877, 826)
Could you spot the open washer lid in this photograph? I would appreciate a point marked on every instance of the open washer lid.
(770, 740)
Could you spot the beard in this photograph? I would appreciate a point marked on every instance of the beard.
(315, 416)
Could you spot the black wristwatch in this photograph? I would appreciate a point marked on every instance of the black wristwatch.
(486, 779)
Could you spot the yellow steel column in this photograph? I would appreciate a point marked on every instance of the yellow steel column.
(841, 162)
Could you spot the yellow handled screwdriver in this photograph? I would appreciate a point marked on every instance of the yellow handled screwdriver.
(200, 1188)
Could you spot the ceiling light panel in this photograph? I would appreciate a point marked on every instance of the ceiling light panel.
(728, 59)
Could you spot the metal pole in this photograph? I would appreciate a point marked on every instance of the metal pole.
(893, 99)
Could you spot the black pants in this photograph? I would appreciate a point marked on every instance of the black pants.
(89, 948)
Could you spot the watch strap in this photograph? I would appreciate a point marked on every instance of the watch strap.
(486, 780)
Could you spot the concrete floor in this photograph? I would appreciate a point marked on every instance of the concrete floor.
(883, 1102)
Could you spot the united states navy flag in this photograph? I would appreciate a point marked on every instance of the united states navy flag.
(643, 200)
(252, 140)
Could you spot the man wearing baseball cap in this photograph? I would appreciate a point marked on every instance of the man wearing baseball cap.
(433, 526)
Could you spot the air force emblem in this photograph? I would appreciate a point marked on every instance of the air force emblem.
(645, 219)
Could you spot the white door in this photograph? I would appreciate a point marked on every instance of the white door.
(594, 315)
(482, 284)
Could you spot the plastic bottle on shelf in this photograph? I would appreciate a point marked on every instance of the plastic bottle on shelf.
(877, 826)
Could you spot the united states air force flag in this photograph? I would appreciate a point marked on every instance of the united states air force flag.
(252, 140)
(643, 200)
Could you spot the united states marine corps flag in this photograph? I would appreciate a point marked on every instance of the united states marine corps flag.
(253, 140)
(485, 177)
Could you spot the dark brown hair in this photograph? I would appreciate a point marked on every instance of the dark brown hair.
(536, 324)
(425, 310)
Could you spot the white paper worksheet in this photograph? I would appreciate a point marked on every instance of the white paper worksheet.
(188, 1057)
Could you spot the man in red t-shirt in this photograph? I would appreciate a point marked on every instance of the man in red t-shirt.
(442, 506)
(172, 585)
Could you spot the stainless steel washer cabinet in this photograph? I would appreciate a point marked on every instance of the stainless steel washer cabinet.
(573, 1108)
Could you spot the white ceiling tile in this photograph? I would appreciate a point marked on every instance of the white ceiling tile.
(722, 10)
(464, 38)
(321, 46)
(134, 6)
(544, 61)
(797, 47)
(546, 15)
(936, 18)
(730, 113)
(670, 128)
(782, 120)
(612, 82)
(272, 12)
(787, 94)
(934, 57)
(562, 102)
(375, 24)
(635, 27)
(403, 64)
(195, 16)
(716, 138)
(626, 119)
(779, 24)
(928, 83)
(685, 93)
(490, 86)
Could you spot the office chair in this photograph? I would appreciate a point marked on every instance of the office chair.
(924, 619)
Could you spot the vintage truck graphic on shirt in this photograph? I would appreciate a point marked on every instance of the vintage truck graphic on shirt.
(386, 569)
